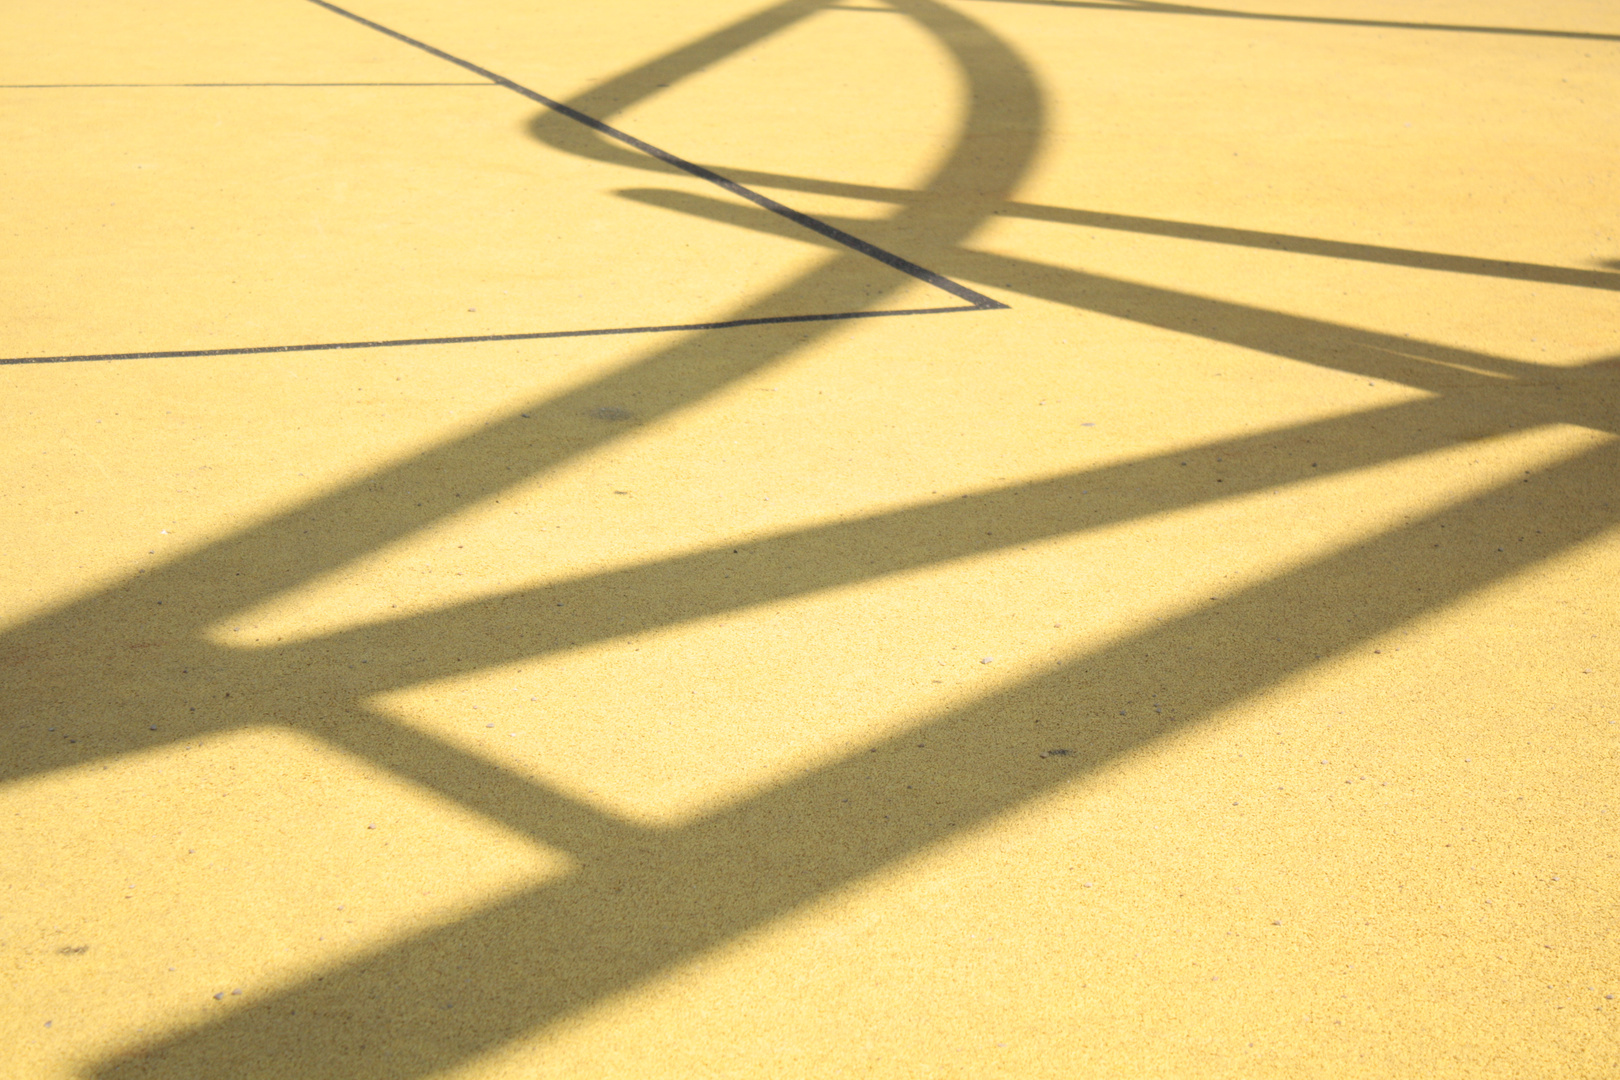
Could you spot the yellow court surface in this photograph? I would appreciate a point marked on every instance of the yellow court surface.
(809, 538)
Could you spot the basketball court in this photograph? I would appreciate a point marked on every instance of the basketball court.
(884, 538)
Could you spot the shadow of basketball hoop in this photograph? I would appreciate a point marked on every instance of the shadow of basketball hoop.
(644, 899)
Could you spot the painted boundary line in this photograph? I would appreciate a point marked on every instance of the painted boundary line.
(401, 342)
(976, 301)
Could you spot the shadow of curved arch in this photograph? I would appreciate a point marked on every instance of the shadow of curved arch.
(998, 140)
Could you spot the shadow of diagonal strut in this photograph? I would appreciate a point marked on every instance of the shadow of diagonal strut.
(180, 600)
(670, 896)
(1518, 393)
(1286, 243)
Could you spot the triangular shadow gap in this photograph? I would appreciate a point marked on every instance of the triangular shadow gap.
(973, 300)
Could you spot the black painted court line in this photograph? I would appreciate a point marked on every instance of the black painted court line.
(976, 301)
(905, 266)
(186, 85)
(401, 342)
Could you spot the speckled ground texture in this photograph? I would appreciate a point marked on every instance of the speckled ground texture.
(1130, 589)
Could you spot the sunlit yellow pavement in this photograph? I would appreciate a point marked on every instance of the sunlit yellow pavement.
(882, 538)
